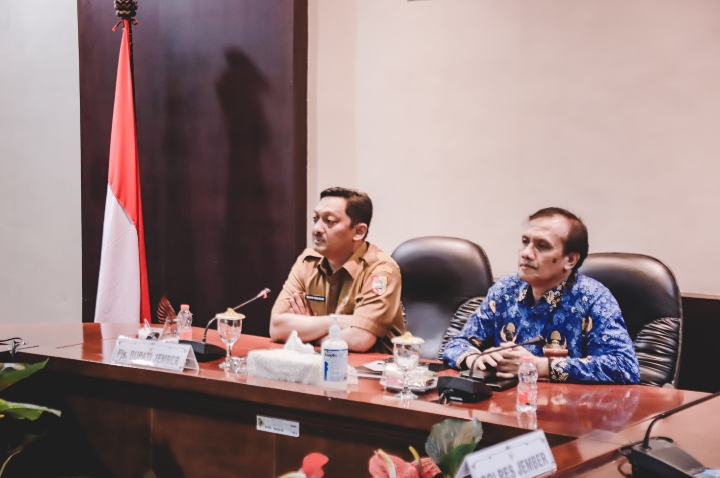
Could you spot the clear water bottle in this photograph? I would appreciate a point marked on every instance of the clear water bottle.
(184, 319)
(527, 386)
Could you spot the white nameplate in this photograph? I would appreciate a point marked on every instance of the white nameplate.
(150, 353)
(281, 427)
(522, 457)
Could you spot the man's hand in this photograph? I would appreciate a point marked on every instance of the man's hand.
(512, 359)
(506, 361)
(299, 304)
(492, 359)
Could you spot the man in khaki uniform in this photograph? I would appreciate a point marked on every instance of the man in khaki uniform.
(342, 274)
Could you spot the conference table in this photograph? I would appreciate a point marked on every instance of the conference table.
(137, 422)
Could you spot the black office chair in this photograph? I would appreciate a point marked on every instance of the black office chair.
(444, 279)
(651, 305)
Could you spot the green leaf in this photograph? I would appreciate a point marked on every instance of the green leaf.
(14, 372)
(25, 410)
(450, 463)
(448, 434)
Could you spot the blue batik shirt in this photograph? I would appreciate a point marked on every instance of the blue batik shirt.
(579, 315)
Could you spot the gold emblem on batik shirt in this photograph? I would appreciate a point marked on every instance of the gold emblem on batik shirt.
(476, 342)
(587, 325)
(557, 370)
(508, 333)
(556, 341)
(553, 297)
(492, 306)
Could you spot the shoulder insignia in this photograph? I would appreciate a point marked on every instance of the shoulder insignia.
(311, 255)
(382, 268)
(379, 284)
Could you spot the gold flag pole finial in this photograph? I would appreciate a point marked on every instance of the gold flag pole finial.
(126, 8)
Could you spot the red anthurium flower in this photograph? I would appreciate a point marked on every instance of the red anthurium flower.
(312, 465)
(380, 468)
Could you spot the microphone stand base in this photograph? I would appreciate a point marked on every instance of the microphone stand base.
(463, 389)
(663, 458)
(205, 352)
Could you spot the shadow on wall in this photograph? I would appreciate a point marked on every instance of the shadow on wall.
(249, 228)
(212, 261)
(174, 261)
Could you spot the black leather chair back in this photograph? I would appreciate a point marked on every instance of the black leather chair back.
(439, 274)
(650, 302)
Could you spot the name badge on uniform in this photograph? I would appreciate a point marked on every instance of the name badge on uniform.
(316, 298)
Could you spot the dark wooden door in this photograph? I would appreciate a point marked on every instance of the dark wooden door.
(221, 94)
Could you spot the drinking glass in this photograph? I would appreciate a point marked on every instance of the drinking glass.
(229, 330)
(407, 357)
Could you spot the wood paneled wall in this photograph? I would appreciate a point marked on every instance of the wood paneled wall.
(701, 338)
(221, 92)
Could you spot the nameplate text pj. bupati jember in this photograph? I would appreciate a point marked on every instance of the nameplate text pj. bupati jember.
(150, 353)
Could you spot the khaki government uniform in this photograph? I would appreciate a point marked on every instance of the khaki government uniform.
(366, 288)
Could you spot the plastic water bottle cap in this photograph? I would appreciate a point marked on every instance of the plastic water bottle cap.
(528, 359)
(184, 307)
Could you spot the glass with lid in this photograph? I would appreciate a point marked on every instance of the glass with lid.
(406, 350)
(229, 327)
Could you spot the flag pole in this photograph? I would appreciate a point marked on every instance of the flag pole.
(123, 294)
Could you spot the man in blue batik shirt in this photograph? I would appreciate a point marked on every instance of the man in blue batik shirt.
(548, 297)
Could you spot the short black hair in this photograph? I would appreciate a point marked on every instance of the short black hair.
(359, 207)
(577, 239)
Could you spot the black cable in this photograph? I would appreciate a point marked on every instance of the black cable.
(443, 399)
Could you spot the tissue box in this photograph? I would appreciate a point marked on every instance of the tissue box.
(286, 365)
(290, 366)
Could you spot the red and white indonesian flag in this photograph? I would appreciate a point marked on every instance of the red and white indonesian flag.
(123, 286)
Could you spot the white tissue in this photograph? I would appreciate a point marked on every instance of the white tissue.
(295, 344)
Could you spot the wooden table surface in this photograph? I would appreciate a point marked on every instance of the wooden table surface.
(584, 423)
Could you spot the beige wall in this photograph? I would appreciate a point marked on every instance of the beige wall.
(40, 231)
(460, 117)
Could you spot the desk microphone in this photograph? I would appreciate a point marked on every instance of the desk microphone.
(205, 352)
(473, 389)
(659, 456)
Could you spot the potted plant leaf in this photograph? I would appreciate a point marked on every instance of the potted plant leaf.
(11, 373)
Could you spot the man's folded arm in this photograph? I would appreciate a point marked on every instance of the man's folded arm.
(282, 319)
(308, 327)
(358, 340)
(315, 328)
